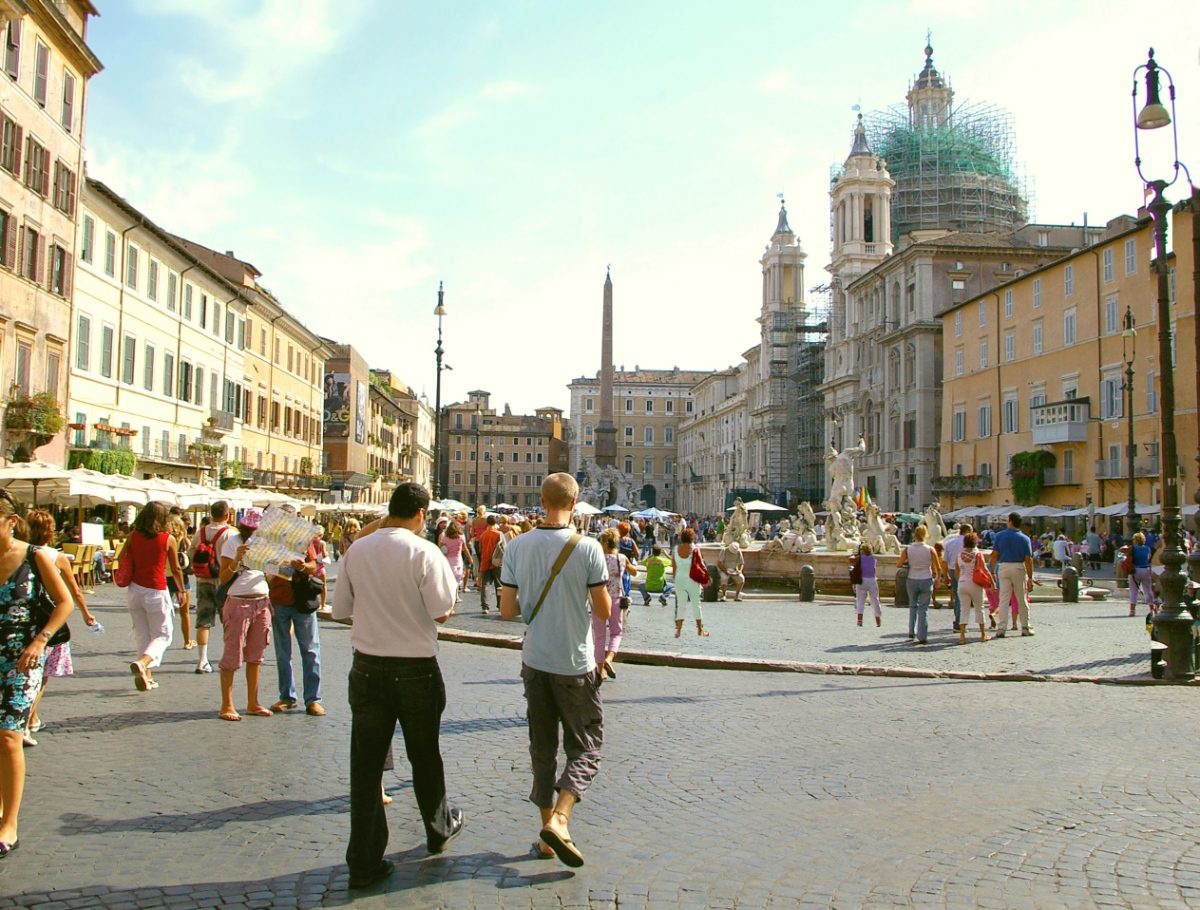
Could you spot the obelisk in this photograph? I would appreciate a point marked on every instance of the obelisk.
(606, 433)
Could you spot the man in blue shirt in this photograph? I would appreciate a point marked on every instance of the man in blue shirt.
(549, 576)
(1013, 552)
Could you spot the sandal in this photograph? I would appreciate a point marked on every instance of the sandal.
(608, 668)
(538, 850)
(229, 715)
(259, 711)
(564, 848)
(6, 848)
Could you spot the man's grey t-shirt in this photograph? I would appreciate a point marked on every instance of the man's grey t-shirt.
(560, 638)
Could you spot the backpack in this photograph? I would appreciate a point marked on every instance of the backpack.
(498, 553)
(205, 563)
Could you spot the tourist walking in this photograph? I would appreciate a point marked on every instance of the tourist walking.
(687, 589)
(867, 586)
(178, 530)
(606, 633)
(28, 573)
(58, 657)
(971, 595)
(924, 565)
(489, 572)
(205, 555)
(1012, 553)
(395, 587)
(152, 554)
(246, 618)
(1140, 579)
(550, 576)
(951, 548)
(456, 552)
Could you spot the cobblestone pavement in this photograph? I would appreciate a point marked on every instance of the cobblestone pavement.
(725, 790)
(1096, 638)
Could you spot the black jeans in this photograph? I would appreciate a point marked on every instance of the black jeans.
(384, 690)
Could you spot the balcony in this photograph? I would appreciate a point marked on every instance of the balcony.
(1054, 477)
(1061, 421)
(219, 422)
(962, 483)
(1116, 469)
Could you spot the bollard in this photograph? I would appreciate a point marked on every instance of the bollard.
(713, 588)
(1158, 663)
(808, 584)
(1077, 562)
(900, 597)
(1070, 585)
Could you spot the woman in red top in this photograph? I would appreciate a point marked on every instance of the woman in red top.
(152, 552)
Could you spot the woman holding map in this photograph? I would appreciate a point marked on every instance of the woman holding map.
(246, 615)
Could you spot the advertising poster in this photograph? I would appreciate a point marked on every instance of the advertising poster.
(337, 404)
(360, 413)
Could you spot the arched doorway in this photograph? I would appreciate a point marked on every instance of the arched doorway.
(649, 496)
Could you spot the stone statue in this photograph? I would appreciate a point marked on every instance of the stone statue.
(935, 527)
(737, 529)
(608, 485)
(881, 536)
(841, 470)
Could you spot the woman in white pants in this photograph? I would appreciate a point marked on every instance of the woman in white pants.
(970, 595)
(868, 587)
(152, 553)
(686, 590)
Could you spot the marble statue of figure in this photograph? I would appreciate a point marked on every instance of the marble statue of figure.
(881, 536)
(841, 469)
(806, 514)
(935, 527)
(737, 529)
(839, 537)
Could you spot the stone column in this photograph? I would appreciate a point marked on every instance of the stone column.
(606, 433)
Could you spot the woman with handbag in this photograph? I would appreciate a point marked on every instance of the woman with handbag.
(58, 657)
(606, 633)
(31, 586)
(972, 573)
(685, 558)
(150, 552)
(924, 566)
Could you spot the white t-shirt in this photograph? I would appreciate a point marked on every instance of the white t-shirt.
(394, 585)
(250, 582)
(952, 546)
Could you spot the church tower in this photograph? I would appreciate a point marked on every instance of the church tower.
(929, 98)
(860, 213)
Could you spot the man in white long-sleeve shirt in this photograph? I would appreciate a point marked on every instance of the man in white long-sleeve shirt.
(396, 587)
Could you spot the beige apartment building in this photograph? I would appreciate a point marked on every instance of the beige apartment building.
(712, 451)
(157, 349)
(648, 407)
(500, 458)
(415, 429)
(1038, 363)
(282, 400)
(43, 95)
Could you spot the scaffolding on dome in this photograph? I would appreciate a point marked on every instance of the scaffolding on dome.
(958, 176)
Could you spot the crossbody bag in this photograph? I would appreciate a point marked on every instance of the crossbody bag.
(563, 555)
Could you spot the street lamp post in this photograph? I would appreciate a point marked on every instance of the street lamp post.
(439, 311)
(1172, 623)
(1129, 347)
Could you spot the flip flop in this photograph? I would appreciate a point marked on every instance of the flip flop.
(535, 851)
(6, 849)
(260, 711)
(229, 715)
(564, 848)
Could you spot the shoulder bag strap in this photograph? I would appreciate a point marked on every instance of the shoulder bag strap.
(563, 555)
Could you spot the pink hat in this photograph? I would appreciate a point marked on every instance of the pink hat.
(251, 518)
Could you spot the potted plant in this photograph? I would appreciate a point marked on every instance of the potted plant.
(31, 421)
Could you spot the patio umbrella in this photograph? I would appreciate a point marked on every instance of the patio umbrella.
(453, 505)
(615, 508)
(586, 508)
(758, 505)
(507, 507)
(1041, 511)
(654, 514)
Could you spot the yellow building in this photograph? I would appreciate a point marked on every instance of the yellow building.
(283, 374)
(43, 96)
(1038, 364)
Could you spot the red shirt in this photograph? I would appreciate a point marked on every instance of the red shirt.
(149, 559)
(487, 543)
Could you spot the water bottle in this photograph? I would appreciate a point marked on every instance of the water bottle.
(96, 627)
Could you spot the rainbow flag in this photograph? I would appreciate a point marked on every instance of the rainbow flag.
(862, 498)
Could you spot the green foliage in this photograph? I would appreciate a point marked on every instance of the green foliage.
(37, 413)
(1026, 474)
(106, 461)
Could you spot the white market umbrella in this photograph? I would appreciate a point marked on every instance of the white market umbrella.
(758, 505)
(586, 508)
(452, 505)
(654, 514)
(615, 508)
(32, 481)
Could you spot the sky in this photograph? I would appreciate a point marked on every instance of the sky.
(358, 152)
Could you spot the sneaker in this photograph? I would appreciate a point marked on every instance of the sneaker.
(663, 600)
(1025, 632)
(205, 667)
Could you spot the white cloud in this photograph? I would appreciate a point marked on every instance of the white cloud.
(258, 45)
(450, 160)
(777, 83)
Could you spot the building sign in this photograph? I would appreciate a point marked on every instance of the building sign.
(337, 404)
(360, 413)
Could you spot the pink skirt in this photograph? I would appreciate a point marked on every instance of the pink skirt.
(58, 660)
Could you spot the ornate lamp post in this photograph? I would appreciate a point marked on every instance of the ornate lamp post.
(1172, 623)
(439, 311)
(1128, 347)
